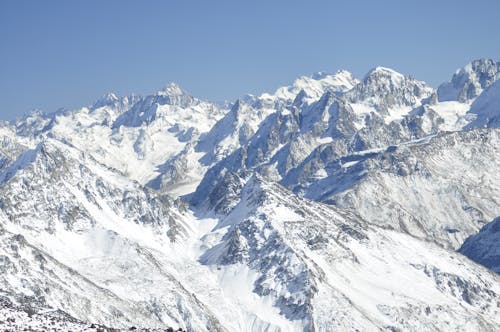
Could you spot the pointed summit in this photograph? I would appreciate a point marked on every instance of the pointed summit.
(173, 94)
(468, 82)
(106, 100)
(171, 89)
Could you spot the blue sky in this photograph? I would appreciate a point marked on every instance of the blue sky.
(68, 53)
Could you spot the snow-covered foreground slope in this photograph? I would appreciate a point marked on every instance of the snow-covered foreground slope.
(77, 236)
(326, 269)
(81, 238)
(26, 318)
(14, 318)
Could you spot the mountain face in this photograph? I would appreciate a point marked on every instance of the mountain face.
(73, 232)
(483, 246)
(486, 108)
(11, 146)
(468, 82)
(332, 204)
(349, 151)
(306, 256)
(436, 188)
(385, 88)
(150, 139)
(289, 137)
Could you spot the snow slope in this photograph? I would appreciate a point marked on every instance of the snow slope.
(327, 269)
(486, 108)
(483, 246)
(73, 231)
(148, 138)
(469, 81)
(95, 245)
(442, 189)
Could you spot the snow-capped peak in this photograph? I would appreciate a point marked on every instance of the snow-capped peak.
(261, 250)
(107, 99)
(468, 82)
(315, 86)
(378, 73)
(171, 89)
(385, 88)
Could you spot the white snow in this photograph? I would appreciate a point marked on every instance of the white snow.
(118, 253)
(453, 113)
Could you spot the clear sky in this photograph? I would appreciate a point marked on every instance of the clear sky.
(57, 54)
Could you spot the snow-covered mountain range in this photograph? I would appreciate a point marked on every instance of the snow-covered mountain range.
(332, 204)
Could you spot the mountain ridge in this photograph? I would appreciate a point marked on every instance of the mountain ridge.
(334, 203)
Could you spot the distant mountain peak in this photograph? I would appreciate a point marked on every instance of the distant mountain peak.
(479, 65)
(110, 96)
(468, 82)
(384, 71)
(331, 204)
(107, 99)
(385, 87)
(171, 89)
(315, 86)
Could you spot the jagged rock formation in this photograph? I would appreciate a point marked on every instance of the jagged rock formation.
(306, 258)
(468, 82)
